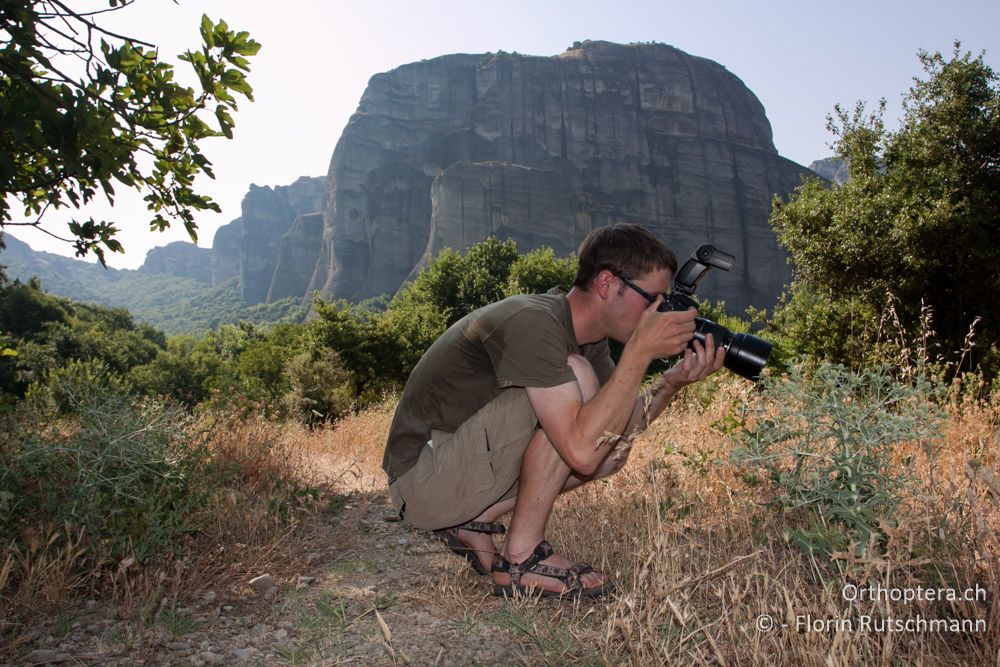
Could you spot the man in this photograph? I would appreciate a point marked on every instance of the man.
(520, 401)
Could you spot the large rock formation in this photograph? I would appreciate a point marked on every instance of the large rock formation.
(180, 259)
(297, 257)
(226, 252)
(444, 152)
(275, 222)
(833, 169)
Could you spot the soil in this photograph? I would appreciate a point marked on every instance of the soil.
(393, 596)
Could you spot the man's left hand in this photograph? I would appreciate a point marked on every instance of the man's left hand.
(698, 363)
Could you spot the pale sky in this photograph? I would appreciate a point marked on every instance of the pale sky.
(799, 57)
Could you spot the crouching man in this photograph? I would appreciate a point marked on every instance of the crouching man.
(520, 401)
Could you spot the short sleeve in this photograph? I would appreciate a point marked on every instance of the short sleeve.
(530, 349)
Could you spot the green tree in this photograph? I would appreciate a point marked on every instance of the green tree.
(916, 219)
(379, 348)
(82, 108)
(183, 371)
(319, 388)
(457, 284)
(44, 332)
(539, 271)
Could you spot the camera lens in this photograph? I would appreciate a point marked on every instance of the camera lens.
(746, 355)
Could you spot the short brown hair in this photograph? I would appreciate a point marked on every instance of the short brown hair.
(627, 250)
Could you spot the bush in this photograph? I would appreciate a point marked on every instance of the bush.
(122, 470)
(321, 389)
(826, 438)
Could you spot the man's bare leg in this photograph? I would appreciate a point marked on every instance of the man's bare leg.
(544, 475)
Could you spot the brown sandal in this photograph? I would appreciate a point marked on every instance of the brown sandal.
(569, 576)
(450, 537)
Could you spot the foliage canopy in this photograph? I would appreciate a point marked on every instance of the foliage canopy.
(83, 108)
(916, 219)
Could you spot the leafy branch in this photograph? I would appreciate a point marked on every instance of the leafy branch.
(125, 119)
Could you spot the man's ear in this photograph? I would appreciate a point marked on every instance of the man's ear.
(604, 283)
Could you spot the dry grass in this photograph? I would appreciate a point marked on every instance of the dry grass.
(703, 562)
(266, 516)
(699, 556)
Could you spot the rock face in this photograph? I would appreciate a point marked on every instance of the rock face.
(297, 257)
(447, 151)
(277, 223)
(180, 259)
(226, 252)
(268, 214)
(832, 169)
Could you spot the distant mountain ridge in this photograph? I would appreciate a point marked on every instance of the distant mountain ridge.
(175, 304)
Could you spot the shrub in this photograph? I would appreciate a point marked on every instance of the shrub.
(122, 470)
(321, 389)
(826, 438)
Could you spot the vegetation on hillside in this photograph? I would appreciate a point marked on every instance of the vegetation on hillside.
(172, 304)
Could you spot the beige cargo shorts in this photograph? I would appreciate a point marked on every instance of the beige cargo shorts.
(460, 474)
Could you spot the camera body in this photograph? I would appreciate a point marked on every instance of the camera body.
(746, 355)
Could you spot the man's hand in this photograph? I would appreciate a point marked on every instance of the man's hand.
(660, 335)
(697, 364)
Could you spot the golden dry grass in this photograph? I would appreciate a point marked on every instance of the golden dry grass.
(707, 574)
(702, 562)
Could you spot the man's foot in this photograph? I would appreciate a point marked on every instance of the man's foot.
(548, 574)
(473, 541)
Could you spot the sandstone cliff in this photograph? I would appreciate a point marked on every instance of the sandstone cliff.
(276, 223)
(447, 151)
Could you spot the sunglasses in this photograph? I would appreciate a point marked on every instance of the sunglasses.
(643, 293)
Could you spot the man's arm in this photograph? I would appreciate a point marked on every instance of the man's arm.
(696, 365)
(576, 429)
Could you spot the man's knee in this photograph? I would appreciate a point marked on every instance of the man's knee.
(585, 375)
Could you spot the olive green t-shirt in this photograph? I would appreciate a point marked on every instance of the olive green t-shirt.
(522, 341)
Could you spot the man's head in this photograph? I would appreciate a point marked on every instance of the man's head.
(626, 250)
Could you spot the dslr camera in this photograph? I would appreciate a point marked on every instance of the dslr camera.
(746, 355)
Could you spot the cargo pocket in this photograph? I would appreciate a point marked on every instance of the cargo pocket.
(467, 461)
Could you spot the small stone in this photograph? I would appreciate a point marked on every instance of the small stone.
(208, 597)
(281, 634)
(243, 653)
(41, 655)
(227, 607)
(178, 646)
(264, 585)
(258, 630)
(210, 658)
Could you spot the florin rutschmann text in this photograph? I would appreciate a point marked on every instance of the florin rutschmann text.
(876, 593)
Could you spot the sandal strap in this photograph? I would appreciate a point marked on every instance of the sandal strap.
(493, 528)
(571, 577)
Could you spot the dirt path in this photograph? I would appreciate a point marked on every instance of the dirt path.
(393, 596)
